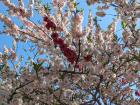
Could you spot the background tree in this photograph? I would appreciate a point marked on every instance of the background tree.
(72, 64)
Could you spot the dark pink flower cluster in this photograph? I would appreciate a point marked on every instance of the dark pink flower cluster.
(137, 93)
(49, 24)
(68, 53)
(123, 81)
(88, 58)
(79, 66)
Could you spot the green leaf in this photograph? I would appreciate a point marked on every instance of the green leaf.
(116, 39)
(89, 39)
(2, 66)
(136, 71)
(79, 10)
(36, 67)
(123, 24)
(75, 4)
(62, 76)
(95, 20)
(137, 58)
(47, 8)
(21, 27)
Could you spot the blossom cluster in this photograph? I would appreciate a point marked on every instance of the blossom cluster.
(49, 24)
(67, 63)
(68, 53)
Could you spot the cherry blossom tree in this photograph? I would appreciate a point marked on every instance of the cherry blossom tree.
(82, 65)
